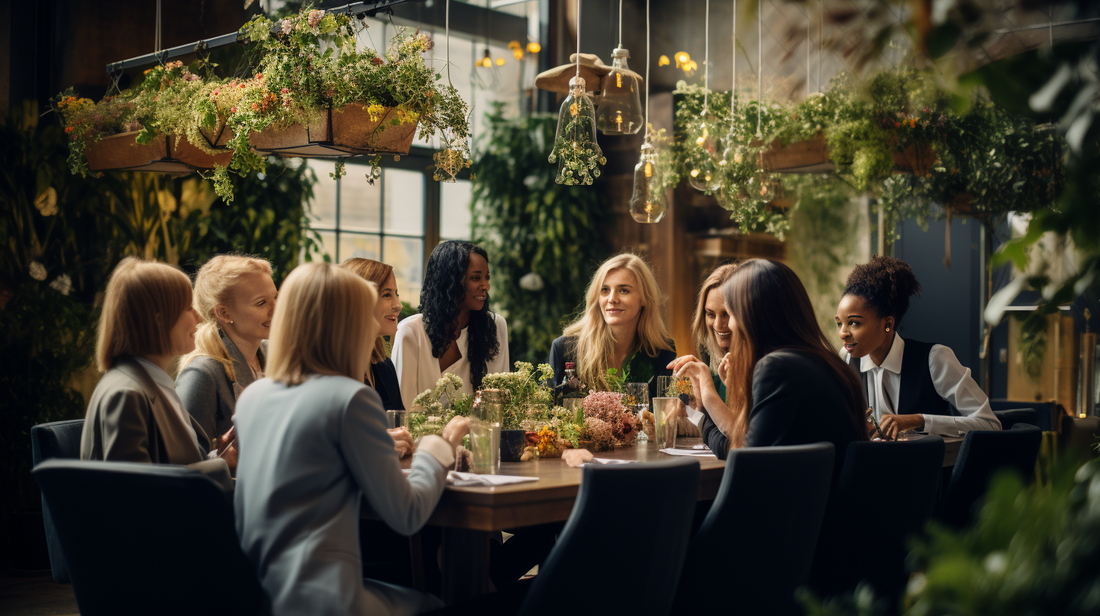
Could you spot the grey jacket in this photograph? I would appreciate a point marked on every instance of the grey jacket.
(208, 394)
(309, 453)
(129, 421)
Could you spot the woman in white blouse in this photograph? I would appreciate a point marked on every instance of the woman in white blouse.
(454, 331)
(910, 385)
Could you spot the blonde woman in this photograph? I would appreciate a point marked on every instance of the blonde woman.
(314, 444)
(382, 375)
(135, 414)
(621, 328)
(235, 296)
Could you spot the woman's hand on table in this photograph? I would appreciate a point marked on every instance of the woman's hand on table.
(457, 428)
(576, 457)
(402, 442)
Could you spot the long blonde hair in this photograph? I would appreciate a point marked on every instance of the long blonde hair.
(702, 335)
(143, 301)
(595, 343)
(378, 273)
(324, 324)
(213, 285)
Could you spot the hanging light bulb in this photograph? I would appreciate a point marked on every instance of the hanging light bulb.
(485, 72)
(621, 106)
(575, 148)
(703, 172)
(533, 47)
(647, 204)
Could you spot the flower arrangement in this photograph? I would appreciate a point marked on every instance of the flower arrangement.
(528, 396)
(87, 122)
(607, 407)
(579, 158)
(435, 407)
(599, 433)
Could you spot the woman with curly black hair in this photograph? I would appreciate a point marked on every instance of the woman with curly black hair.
(454, 332)
(910, 385)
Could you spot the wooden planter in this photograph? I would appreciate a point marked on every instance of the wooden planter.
(348, 131)
(217, 137)
(164, 154)
(917, 159)
(810, 156)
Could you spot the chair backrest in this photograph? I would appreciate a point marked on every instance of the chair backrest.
(624, 543)
(982, 455)
(756, 544)
(1079, 435)
(58, 439)
(885, 494)
(1046, 413)
(145, 538)
(1011, 417)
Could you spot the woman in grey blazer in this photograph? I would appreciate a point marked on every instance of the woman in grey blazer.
(314, 443)
(235, 297)
(135, 414)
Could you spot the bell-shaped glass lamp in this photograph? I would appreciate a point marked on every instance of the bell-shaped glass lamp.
(703, 169)
(620, 110)
(575, 148)
(647, 204)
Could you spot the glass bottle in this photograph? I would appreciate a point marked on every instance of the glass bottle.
(647, 204)
(620, 110)
(575, 148)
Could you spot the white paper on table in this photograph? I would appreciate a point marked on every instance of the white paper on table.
(611, 461)
(697, 453)
(455, 478)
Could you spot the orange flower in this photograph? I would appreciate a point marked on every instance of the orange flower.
(68, 129)
(255, 107)
(897, 124)
(912, 122)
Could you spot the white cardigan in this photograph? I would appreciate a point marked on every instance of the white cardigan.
(417, 370)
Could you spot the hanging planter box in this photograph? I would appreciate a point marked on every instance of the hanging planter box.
(917, 159)
(122, 152)
(348, 131)
(809, 156)
(217, 137)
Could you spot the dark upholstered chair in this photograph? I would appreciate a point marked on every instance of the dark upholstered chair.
(1078, 436)
(58, 439)
(756, 545)
(1011, 417)
(147, 539)
(623, 546)
(1046, 413)
(885, 494)
(982, 455)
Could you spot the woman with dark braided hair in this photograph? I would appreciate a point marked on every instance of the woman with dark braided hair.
(454, 332)
(910, 385)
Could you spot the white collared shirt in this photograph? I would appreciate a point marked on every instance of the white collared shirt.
(167, 389)
(952, 381)
(417, 370)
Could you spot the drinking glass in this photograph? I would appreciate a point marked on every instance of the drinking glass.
(398, 419)
(673, 386)
(637, 400)
(667, 419)
(485, 421)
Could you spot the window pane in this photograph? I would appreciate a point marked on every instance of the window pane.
(454, 210)
(404, 192)
(359, 245)
(328, 244)
(407, 258)
(359, 201)
(324, 194)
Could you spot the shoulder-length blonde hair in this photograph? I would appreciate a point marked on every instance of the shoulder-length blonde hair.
(595, 344)
(771, 311)
(144, 299)
(378, 273)
(213, 285)
(324, 324)
(701, 335)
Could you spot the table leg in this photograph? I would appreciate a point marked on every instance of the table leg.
(465, 564)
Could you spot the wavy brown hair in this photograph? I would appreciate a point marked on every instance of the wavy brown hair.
(378, 273)
(771, 311)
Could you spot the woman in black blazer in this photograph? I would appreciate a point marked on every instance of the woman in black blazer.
(786, 385)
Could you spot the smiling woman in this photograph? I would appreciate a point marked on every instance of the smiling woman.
(235, 296)
(383, 375)
(621, 328)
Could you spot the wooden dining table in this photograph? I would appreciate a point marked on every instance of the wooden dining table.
(469, 516)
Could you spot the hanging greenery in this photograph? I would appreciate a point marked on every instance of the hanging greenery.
(543, 238)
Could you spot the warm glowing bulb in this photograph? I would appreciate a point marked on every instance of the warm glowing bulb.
(707, 176)
(663, 60)
(694, 173)
(649, 170)
(682, 57)
(619, 120)
(500, 61)
(618, 80)
(573, 110)
(533, 47)
(518, 53)
(722, 163)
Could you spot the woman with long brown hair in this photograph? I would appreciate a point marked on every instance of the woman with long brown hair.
(786, 384)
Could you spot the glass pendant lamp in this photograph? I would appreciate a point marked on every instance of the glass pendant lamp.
(647, 205)
(620, 110)
(575, 148)
(703, 171)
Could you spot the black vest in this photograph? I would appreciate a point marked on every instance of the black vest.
(918, 392)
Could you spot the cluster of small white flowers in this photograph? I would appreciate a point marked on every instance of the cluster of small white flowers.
(62, 284)
(38, 271)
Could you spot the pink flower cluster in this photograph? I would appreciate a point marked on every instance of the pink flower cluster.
(315, 17)
(608, 406)
(287, 26)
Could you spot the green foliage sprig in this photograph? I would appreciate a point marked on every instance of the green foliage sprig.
(528, 394)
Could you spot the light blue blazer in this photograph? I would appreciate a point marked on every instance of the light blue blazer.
(308, 455)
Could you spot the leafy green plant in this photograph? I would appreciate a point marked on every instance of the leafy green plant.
(543, 238)
(527, 393)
